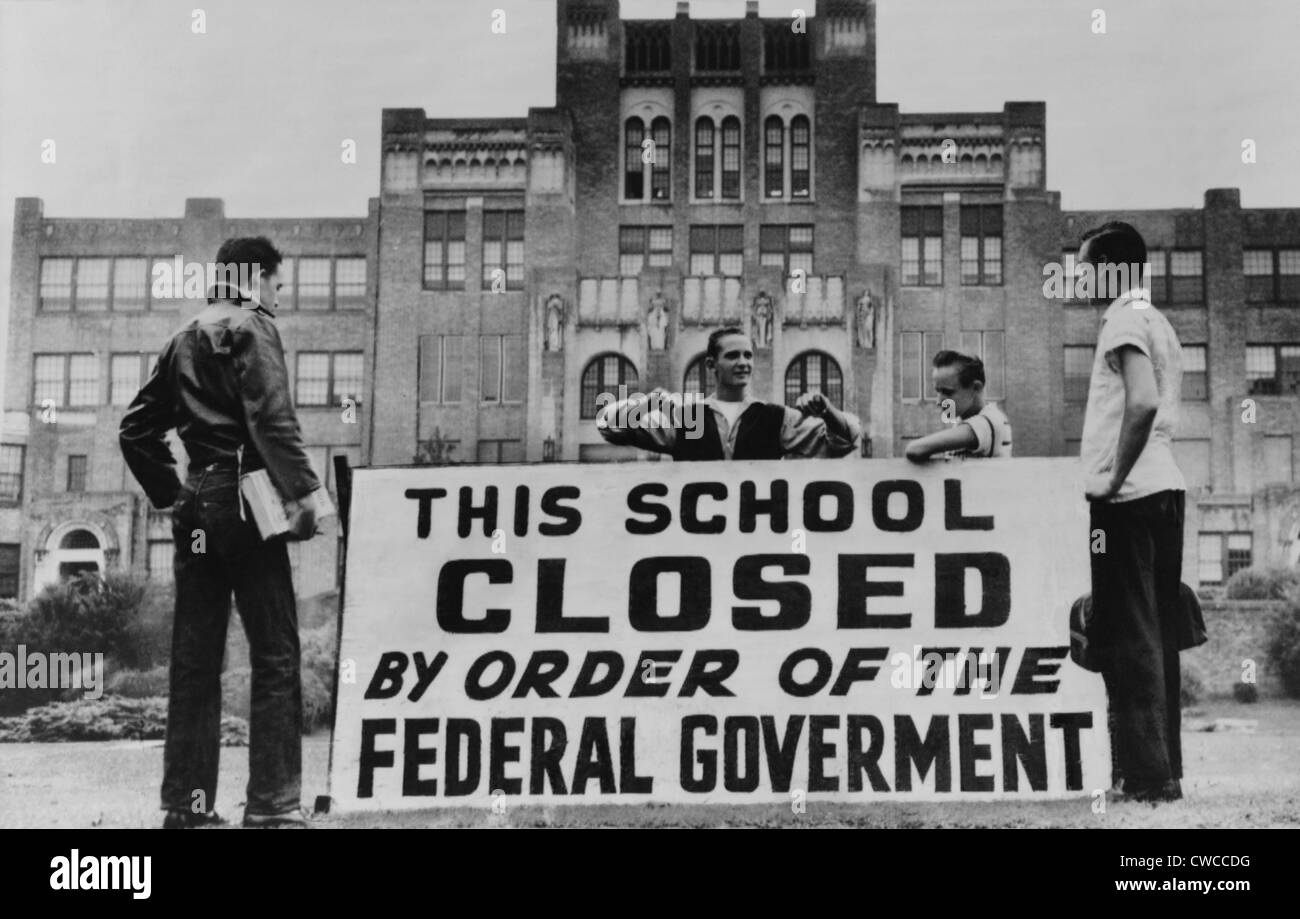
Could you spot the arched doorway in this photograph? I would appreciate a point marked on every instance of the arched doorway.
(68, 551)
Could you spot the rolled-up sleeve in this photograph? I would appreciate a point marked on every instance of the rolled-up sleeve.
(636, 422)
(808, 436)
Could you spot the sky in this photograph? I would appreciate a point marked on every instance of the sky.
(145, 111)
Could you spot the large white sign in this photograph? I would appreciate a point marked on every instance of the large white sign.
(715, 632)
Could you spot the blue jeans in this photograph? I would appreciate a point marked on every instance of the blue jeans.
(229, 556)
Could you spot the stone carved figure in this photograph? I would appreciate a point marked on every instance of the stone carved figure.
(866, 320)
(762, 320)
(554, 315)
(657, 321)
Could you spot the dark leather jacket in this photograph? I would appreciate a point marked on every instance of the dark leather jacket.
(221, 383)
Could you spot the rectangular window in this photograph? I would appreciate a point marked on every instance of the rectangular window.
(313, 385)
(1257, 266)
(503, 247)
(48, 373)
(1209, 558)
(77, 472)
(56, 284)
(1158, 275)
(717, 250)
(1240, 550)
(11, 473)
(800, 157)
(500, 451)
(444, 249)
(130, 283)
(661, 162)
(981, 244)
(786, 247)
(922, 238)
(313, 283)
(346, 377)
(1273, 370)
(1195, 376)
(989, 347)
(1078, 372)
(10, 559)
(774, 157)
(83, 380)
(441, 368)
(350, 283)
(288, 292)
(910, 369)
(127, 373)
(731, 157)
(501, 368)
(159, 560)
(641, 246)
(92, 284)
(1185, 280)
(1288, 275)
(704, 158)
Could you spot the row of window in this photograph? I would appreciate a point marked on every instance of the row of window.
(921, 231)
(647, 47)
(502, 368)
(1272, 275)
(916, 351)
(126, 284)
(322, 378)
(786, 148)
(1078, 372)
(1175, 276)
(444, 249)
(812, 370)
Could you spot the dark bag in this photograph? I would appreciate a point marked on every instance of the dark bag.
(1189, 628)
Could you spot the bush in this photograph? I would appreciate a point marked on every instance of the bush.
(104, 719)
(1284, 648)
(1245, 692)
(139, 684)
(1263, 584)
(1193, 687)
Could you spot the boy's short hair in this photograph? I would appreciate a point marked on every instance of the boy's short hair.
(237, 257)
(1117, 243)
(970, 369)
(715, 338)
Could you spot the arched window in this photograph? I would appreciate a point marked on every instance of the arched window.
(800, 157)
(814, 371)
(698, 379)
(774, 157)
(731, 157)
(633, 168)
(605, 374)
(704, 157)
(661, 133)
(79, 539)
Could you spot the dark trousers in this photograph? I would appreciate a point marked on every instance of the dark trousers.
(218, 554)
(1135, 596)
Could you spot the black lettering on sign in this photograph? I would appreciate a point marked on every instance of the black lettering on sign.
(450, 605)
(587, 684)
(463, 732)
(911, 520)
(859, 667)
(953, 519)
(543, 669)
(694, 598)
(794, 599)
(707, 760)
(802, 690)
(550, 602)
(776, 507)
(1019, 750)
(1038, 662)
(950, 589)
(868, 761)
(502, 752)
(424, 510)
(648, 666)
(371, 759)
(813, 520)
(637, 504)
(820, 750)
(521, 510)
(691, 494)
(970, 754)
(629, 783)
(1070, 724)
(469, 511)
(549, 742)
(702, 675)
(594, 758)
(854, 590)
(414, 756)
(733, 729)
(933, 751)
(781, 753)
(571, 516)
(425, 671)
(474, 687)
(932, 661)
(387, 679)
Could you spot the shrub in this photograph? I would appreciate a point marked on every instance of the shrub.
(1193, 687)
(1263, 584)
(1245, 692)
(104, 719)
(139, 684)
(1284, 648)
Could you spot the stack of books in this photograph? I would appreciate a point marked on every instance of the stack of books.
(268, 505)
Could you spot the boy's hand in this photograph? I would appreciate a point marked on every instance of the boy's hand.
(1099, 488)
(813, 403)
(916, 455)
(302, 518)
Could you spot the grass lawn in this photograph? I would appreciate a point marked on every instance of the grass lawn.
(1233, 779)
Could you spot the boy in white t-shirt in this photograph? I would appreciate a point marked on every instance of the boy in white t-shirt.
(979, 427)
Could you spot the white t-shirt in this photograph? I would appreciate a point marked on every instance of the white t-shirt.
(1132, 320)
(992, 431)
(730, 410)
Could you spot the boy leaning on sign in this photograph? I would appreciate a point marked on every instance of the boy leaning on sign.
(1137, 499)
(983, 429)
